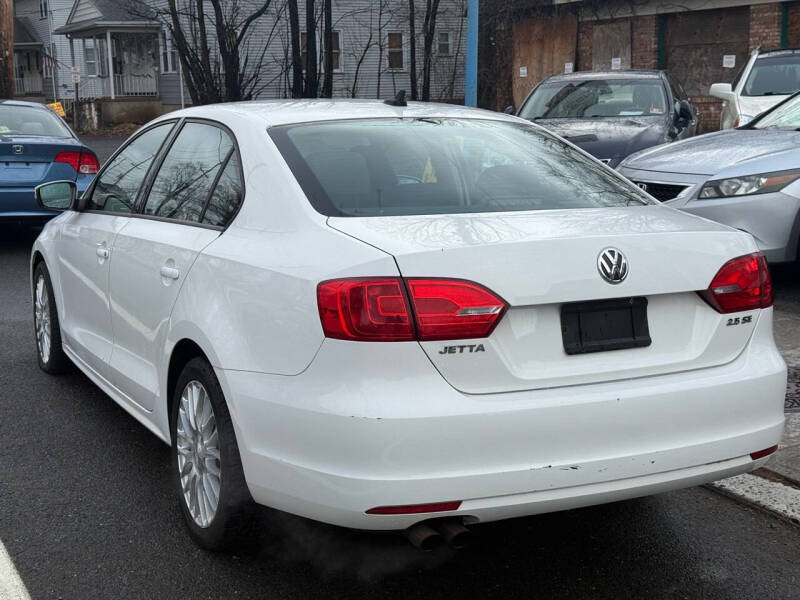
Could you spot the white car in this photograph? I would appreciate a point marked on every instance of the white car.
(393, 317)
(765, 80)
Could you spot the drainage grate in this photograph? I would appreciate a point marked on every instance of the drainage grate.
(793, 390)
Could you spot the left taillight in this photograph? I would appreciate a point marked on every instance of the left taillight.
(85, 162)
(391, 309)
(743, 283)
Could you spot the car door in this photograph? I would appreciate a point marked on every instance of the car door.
(153, 254)
(84, 248)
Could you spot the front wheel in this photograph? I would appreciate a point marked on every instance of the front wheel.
(213, 494)
(46, 325)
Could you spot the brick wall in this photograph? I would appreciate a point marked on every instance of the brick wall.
(765, 26)
(644, 42)
(794, 25)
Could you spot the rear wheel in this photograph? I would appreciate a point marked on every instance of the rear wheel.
(212, 491)
(45, 321)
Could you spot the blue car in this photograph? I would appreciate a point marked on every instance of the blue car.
(37, 146)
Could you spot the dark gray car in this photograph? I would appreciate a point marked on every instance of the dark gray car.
(748, 178)
(612, 114)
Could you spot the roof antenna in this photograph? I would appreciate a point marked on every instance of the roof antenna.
(399, 99)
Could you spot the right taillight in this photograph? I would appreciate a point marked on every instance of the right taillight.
(392, 309)
(741, 284)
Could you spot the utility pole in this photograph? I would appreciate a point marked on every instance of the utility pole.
(6, 48)
(471, 79)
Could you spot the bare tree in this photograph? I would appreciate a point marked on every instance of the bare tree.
(412, 48)
(429, 31)
(311, 87)
(294, 49)
(327, 46)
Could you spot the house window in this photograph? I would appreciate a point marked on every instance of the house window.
(42, 9)
(337, 51)
(395, 52)
(444, 43)
(304, 50)
(169, 55)
(90, 57)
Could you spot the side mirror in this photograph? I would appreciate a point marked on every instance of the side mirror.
(509, 110)
(723, 91)
(685, 111)
(56, 195)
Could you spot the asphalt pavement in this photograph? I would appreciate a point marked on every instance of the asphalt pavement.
(86, 512)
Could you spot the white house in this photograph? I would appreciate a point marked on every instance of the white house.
(125, 58)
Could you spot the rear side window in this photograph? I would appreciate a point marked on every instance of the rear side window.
(118, 185)
(188, 173)
(227, 194)
(437, 166)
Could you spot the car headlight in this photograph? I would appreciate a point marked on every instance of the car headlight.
(743, 120)
(750, 184)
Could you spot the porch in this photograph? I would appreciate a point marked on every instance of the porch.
(28, 77)
(117, 60)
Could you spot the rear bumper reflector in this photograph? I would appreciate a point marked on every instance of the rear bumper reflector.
(415, 508)
(763, 453)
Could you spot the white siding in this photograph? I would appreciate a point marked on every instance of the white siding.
(84, 11)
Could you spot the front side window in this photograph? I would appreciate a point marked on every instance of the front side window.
(576, 99)
(376, 167)
(184, 180)
(773, 75)
(395, 51)
(118, 185)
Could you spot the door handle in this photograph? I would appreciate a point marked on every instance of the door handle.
(101, 251)
(170, 272)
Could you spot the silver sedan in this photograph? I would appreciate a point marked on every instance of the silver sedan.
(747, 178)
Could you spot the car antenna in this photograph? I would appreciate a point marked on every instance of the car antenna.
(398, 100)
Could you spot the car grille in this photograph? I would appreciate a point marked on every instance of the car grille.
(661, 191)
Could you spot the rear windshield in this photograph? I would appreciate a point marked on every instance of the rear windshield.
(773, 75)
(596, 98)
(439, 166)
(29, 120)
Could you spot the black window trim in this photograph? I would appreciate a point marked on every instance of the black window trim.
(155, 165)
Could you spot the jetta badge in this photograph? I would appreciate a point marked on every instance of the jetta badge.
(17, 149)
(613, 265)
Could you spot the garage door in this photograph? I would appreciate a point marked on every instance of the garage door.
(695, 44)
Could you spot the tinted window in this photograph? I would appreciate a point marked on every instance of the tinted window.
(433, 166)
(677, 89)
(226, 196)
(773, 75)
(118, 185)
(181, 188)
(596, 98)
(29, 120)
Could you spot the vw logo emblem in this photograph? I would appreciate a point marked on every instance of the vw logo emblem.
(641, 186)
(17, 149)
(613, 265)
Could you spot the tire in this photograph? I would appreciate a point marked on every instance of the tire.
(201, 457)
(46, 326)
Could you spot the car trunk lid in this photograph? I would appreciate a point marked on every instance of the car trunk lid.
(539, 261)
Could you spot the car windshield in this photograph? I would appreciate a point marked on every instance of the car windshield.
(783, 116)
(596, 98)
(30, 120)
(426, 166)
(773, 75)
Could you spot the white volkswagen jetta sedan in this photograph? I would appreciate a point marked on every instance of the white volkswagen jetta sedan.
(404, 318)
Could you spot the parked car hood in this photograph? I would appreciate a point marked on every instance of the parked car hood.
(610, 138)
(755, 105)
(714, 152)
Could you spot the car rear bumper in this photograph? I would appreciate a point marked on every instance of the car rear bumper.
(371, 425)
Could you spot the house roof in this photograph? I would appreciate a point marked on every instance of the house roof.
(108, 14)
(24, 34)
